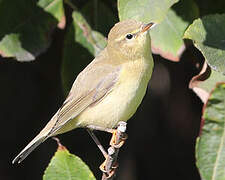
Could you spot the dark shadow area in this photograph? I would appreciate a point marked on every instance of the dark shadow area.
(75, 59)
(30, 94)
(210, 7)
(99, 16)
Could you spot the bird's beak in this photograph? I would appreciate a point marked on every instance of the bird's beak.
(147, 27)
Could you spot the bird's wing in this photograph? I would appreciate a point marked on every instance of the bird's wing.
(91, 85)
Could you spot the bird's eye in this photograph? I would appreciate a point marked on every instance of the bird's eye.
(129, 36)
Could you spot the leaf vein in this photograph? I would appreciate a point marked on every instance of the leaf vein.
(219, 153)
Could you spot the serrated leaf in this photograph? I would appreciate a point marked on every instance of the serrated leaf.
(64, 166)
(26, 27)
(208, 35)
(203, 83)
(144, 10)
(210, 147)
(81, 45)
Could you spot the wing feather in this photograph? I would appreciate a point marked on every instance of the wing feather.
(91, 85)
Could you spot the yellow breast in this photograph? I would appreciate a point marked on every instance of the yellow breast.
(122, 102)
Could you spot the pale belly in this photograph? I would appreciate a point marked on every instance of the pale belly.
(119, 105)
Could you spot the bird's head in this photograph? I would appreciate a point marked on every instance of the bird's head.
(130, 39)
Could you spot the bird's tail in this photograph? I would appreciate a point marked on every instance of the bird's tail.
(40, 138)
(29, 148)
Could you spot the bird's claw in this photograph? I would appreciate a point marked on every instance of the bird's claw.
(110, 173)
(117, 142)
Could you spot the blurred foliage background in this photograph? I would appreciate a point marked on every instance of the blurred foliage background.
(163, 132)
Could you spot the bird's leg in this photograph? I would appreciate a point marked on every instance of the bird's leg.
(97, 142)
(108, 167)
(98, 128)
(119, 136)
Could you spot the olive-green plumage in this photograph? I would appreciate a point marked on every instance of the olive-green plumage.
(109, 89)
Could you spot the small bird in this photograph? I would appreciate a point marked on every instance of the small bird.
(109, 89)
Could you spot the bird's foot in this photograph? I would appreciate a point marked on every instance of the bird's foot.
(118, 135)
(110, 172)
(109, 166)
(117, 139)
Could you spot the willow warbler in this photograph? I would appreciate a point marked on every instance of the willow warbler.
(109, 89)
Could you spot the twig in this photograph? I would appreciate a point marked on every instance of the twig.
(110, 165)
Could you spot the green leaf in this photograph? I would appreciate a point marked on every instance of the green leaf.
(208, 35)
(85, 36)
(81, 45)
(144, 10)
(203, 83)
(167, 37)
(64, 166)
(210, 147)
(26, 27)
